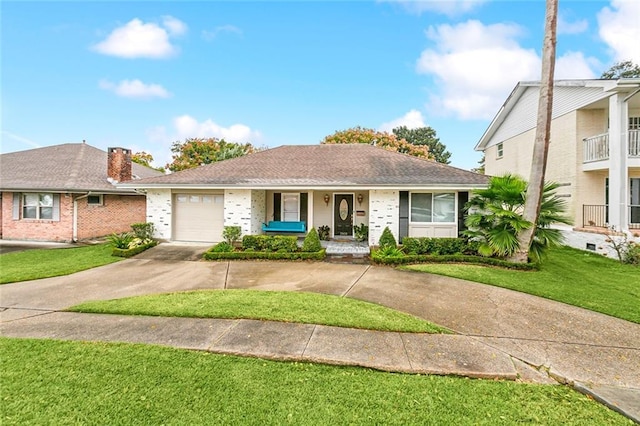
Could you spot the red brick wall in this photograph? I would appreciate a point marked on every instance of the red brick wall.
(116, 214)
(42, 230)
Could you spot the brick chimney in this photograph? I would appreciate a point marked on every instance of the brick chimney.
(119, 164)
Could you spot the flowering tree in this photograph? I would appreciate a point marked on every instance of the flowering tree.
(145, 159)
(194, 152)
(382, 139)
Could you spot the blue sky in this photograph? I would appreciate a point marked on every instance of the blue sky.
(145, 74)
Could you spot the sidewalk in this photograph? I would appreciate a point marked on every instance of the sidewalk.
(500, 333)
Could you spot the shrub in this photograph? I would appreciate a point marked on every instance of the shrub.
(387, 239)
(270, 243)
(439, 246)
(231, 234)
(223, 247)
(377, 256)
(324, 233)
(632, 255)
(121, 241)
(143, 230)
(311, 241)
(128, 252)
(390, 251)
(251, 254)
(361, 232)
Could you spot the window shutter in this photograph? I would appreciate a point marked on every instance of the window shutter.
(463, 198)
(56, 207)
(304, 207)
(16, 205)
(404, 214)
(277, 201)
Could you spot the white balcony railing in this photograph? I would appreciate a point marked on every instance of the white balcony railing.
(596, 148)
(634, 143)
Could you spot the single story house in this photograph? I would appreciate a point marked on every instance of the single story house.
(339, 186)
(67, 192)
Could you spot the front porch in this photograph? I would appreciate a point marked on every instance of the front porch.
(596, 148)
(596, 217)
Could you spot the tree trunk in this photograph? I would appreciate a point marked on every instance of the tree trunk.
(543, 129)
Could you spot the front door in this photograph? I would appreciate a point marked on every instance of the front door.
(343, 215)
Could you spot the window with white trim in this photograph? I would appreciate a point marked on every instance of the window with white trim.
(430, 207)
(634, 123)
(290, 207)
(37, 206)
(500, 150)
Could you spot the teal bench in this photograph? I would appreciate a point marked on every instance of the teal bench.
(279, 226)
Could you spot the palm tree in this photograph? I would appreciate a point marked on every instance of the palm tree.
(496, 217)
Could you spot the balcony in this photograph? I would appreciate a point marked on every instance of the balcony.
(597, 216)
(596, 148)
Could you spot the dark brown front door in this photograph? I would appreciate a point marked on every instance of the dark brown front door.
(343, 215)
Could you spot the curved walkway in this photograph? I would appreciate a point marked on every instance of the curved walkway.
(500, 333)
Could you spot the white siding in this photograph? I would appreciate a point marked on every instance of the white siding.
(237, 209)
(159, 212)
(384, 207)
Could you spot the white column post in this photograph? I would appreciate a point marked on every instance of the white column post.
(618, 153)
(310, 211)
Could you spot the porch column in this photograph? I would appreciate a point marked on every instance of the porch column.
(618, 154)
(310, 211)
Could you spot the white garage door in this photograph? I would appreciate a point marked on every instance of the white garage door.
(198, 217)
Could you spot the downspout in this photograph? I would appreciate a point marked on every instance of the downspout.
(74, 237)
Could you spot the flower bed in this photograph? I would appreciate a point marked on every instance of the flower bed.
(128, 252)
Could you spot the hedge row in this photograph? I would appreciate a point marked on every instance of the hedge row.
(287, 243)
(132, 251)
(453, 258)
(264, 255)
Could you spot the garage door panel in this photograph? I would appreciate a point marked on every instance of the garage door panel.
(198, 217)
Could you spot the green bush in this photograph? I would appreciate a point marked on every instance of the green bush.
(231, 234)
(324, 233)
(632, 255)
(128, 252)
(389, 251)
(121, 241)
(387, 239)
(378, 256)
(251, 254)
(311, 241)
(361, 232)
(439, 246)
(223, 247)
(270, 243)
(143, 230)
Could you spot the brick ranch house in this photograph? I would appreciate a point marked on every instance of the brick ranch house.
(67, 192)
(340, 186)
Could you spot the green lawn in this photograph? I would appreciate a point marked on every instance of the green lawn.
(567, 275)
(52, 382)
(44, 263)
(300, 307)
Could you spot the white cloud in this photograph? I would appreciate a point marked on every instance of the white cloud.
(575, 27)
(476, 66)
(188, 127)
(137, 39)
(620, 29)
(174, 25)
(445, 7)
(135, 89)
(210, 35)
(573, 65)
(412, 120)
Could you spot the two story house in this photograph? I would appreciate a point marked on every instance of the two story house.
(594, 152)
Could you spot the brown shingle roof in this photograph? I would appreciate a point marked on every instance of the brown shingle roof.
(321, 165)
(67, 167)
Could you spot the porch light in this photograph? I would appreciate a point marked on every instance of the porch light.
(326, 199)
(360, 198)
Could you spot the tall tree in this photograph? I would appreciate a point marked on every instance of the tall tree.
(194, 152)
(622, 69)
(543, 130)
(425, 136)
(382, 139)
(145, 159)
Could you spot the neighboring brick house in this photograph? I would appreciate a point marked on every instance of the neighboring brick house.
(66, 193)
(594, 151)
(339, 186)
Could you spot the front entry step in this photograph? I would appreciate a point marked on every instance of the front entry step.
(354, 259)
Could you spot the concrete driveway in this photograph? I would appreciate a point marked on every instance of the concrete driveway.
(576, 346)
